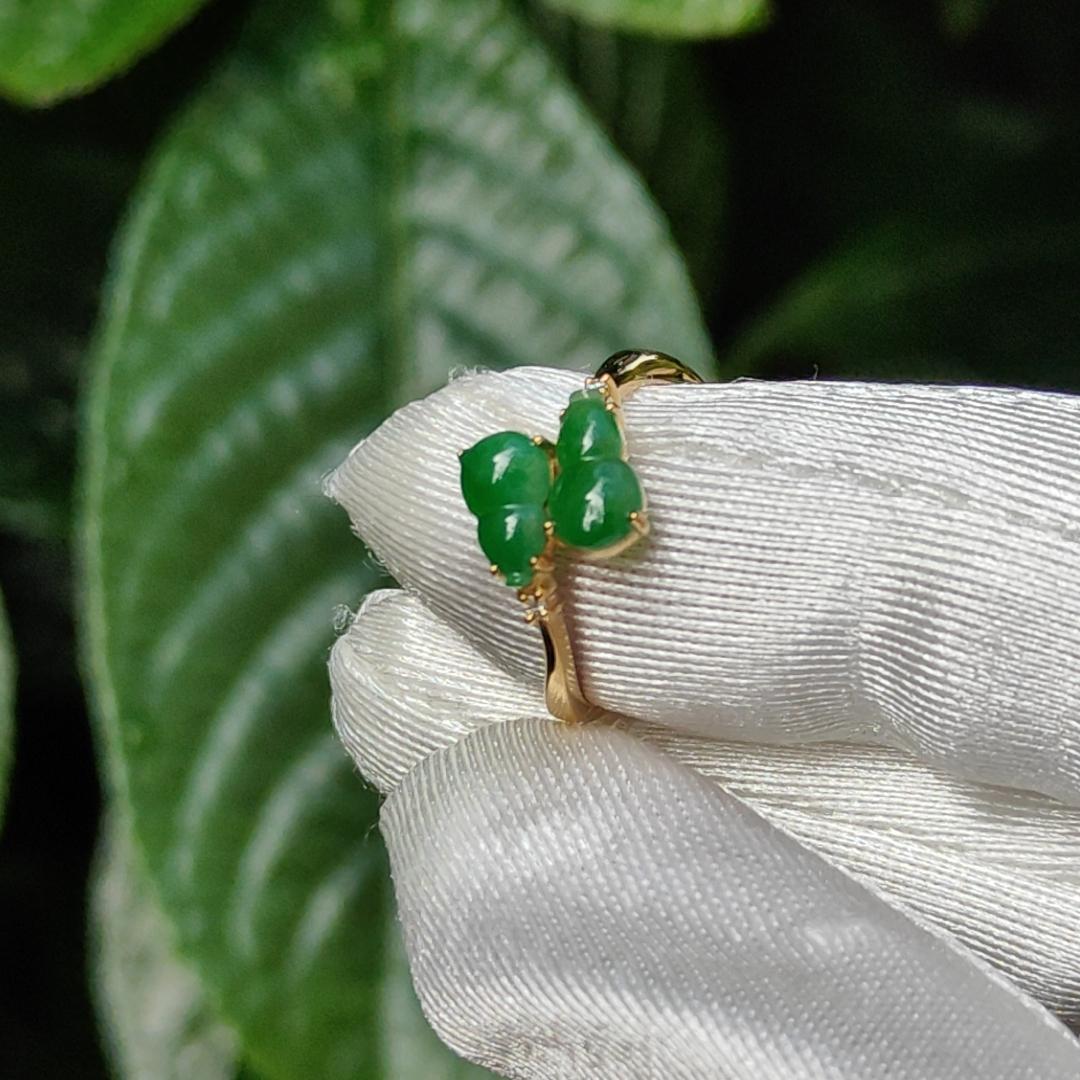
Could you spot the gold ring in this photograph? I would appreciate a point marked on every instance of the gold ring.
(532, 497)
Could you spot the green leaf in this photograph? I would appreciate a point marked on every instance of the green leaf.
(671, 18)
(652, 98)
(157, 1022)
(855, 117)
(359, 204)
(913, 299)
(7, 704)
(52, 48)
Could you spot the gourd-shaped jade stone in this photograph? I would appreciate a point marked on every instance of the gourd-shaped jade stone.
(506, 479)
(596, 491)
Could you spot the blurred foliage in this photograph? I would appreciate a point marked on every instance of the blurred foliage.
(51, 48)
(337, 203)
(962, 17)
(641, 90)
(671, 18)
(156, 1018)
(328, 230)
(7, 703)
(49, 236)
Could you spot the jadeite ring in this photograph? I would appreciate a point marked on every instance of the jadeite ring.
(532, 497)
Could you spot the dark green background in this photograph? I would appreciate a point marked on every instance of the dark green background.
(898, 200)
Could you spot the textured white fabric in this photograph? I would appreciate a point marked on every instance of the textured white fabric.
(889, 565)
(578, 905)
(997, 868)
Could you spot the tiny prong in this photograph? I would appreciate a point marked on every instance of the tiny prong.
(538, 440)
(549, 528)
(639, 521)
(494, 568)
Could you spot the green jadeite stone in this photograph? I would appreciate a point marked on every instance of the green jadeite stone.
(506, 479)
(511, 537)
(504, 469)
(592, 502)
(588, 431)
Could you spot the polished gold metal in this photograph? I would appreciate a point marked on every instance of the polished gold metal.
(617, 378)
(562, 688)
(631, 370)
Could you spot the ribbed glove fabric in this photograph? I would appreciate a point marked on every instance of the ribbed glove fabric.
(845, 801)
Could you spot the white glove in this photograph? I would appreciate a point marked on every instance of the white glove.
(895, 567)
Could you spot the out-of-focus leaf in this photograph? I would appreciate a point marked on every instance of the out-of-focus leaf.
(919, 300)
(7, 704)
(846, 117)
(961, 18)
(652, 98)
(156, 1019)
(359, 204)
(157, 1022)
(52, 48)
(671, 18)
(59, 201)
(34, 428)
(896, 220)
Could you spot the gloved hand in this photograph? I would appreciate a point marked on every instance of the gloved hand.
(858, 608)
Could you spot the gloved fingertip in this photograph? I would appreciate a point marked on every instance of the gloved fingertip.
(405, 685)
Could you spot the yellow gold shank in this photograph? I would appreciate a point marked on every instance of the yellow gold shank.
(619, 376)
